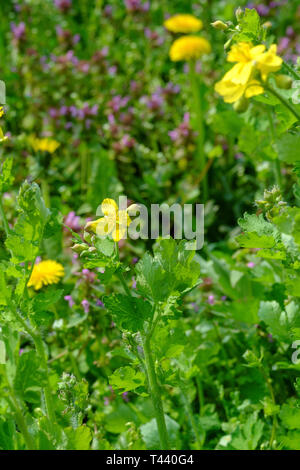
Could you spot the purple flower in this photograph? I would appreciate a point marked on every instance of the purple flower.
(251, 264)
(136, 6)
(73, 221)
(18, 30)
(89, 275)
(63, 5)
(125, 397)
(99, 303)
(70, 300)
(211, 299)
(223, 298)
(86, 306)
(133, 283)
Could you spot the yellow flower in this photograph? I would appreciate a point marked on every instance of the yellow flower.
(269, 62)
(183, 24)
(44, 273)
(44, 145)
(114, 223)
(188, 48)
(3, 137)
(240, 79)
(232, 92)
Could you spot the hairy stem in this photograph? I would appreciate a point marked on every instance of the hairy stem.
(155, 395)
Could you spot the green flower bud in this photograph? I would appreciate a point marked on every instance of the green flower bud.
(284, 81)
(220, 25)
(241, 105)
(79, 247)
(239, 13)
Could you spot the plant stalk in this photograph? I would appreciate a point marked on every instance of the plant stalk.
(155, 396)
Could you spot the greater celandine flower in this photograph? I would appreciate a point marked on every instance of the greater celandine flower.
(250, 61)
(114, 223)
(189, 48)
(184, 23)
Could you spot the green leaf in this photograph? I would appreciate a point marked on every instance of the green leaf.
(126, 379)
(171, 271)
(150, 434)
(248, 435)
(280, 323)
(30, 377)
(106, 246)
(7, 434)
(252, 240)
(250, 27)
(6, 177)
(290, 416)
(79, 438)
(129, 313)
(287, 148)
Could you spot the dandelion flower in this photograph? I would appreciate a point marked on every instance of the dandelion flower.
(44, 145)
(188, 48)
(183, 24)
(114, 223)
(45, 273)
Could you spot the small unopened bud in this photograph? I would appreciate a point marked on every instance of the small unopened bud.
(241, 105)
(79, 247)
(239, 13)
(284, 81)
(267, 24)
(220, 25)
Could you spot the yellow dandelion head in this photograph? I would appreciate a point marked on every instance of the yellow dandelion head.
(189, 48)
(44, 145)
(183, 24)
(45, 273)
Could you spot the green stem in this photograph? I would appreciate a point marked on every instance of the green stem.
(291, 70)
(12, 399)
(197, 107)
(272, 395)
(283, 101)
(39, 345)
(3, 217)
(191, 418)
(45, 192)
(277, 169)
(155, 396)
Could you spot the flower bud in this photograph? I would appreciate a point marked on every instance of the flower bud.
(283, 81)
(241, 105)
(220, 25)
(79, 247)
(239, 13)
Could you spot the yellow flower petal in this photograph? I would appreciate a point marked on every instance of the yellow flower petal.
(105, 226)
(109, 207)
(189, 48)
(183, 24)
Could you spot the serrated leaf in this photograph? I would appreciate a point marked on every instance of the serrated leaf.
(129, 313)
(30, 377)
(126, 379)
(172, 270)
